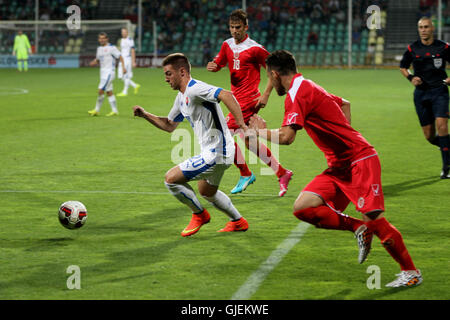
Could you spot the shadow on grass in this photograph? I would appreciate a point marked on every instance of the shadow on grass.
(393, 190)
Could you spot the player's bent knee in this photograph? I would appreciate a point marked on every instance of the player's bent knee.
(170, 177)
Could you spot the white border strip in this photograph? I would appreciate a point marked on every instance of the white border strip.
(253, 282)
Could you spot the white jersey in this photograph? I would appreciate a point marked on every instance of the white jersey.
(126, 44)
(107, 56)
(199, 104)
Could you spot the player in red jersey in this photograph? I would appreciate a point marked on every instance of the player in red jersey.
(354, 171)
(245, 58)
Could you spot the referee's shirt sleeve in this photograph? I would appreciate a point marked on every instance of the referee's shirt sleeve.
(447, 52)
(406, 59)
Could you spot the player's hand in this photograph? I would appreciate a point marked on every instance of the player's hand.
(14, 53)
(138, 111)
(134, 64)
(447, 81)
(124, 70)
(416, 81)
(212, 66)
(256, 122)
(261, 102)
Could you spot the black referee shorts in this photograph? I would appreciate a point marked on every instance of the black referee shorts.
(431, 104)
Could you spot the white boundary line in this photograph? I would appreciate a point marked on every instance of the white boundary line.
(17, 91)
(253, 282)
(274, 195)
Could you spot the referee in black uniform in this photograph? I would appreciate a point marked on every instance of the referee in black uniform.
(428, 57)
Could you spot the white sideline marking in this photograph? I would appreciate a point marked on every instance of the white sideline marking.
(128, 192)
(253, 282)
(12, 91)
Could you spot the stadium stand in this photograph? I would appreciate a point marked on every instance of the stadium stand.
(315, 30)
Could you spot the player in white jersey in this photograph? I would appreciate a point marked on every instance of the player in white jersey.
(106, 56)
(198, 102)
(128, 52)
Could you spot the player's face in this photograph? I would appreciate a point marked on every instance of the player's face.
(426, 29)
(102, 40)
(276, 81)
(238, 30)
(173, 77)
(124, 33)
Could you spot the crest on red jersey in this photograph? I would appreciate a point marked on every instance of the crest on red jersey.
(292, 117)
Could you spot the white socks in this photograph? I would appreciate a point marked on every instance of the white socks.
(222, 202)
(185, 194)
(99, 102)
(113, 103)
(127, 83)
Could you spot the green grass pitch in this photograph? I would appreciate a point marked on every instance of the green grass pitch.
(51, 151)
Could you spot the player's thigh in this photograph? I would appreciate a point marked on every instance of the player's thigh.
(365, 190)
(105, 83)
(322, 190)
(129, 67)
(423, 107)
(119, 71)
(440, 100)
(22, 55)
(205, 166)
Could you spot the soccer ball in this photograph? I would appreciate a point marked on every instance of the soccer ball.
(72, 214)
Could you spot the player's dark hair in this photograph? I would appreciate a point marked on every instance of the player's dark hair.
(239, 15)
(281, 61)
(104, 34)
(177, 60)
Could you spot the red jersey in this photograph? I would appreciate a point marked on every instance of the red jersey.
(244, 61)
(309, 106)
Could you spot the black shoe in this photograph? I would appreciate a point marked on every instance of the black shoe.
(445, 174)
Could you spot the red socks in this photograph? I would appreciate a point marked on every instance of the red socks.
(264, 154)
(391, 238)
(324, 217)
(239, 162)
(392, 241)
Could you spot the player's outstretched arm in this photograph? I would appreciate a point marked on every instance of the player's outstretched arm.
(231, 103)
(264, 98)
(284, 135)
(162, 123)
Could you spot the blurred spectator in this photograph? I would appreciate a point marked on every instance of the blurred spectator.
(313, 38)
(207, 56)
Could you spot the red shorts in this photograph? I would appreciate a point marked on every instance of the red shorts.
(248, 110)
(360, 183)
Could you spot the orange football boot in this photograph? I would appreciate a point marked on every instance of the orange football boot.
(197, 221)
(239, 225)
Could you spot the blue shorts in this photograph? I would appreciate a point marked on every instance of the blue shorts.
(431, 104)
